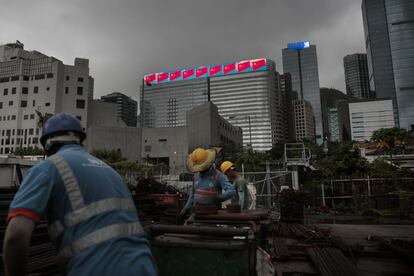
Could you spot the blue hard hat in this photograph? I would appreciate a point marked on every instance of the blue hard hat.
(61, 123)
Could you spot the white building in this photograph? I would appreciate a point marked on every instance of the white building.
(304, 120)
(31, 81)
(367, 116)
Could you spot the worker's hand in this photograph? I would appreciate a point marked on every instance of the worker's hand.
(217, 200)
(181, 216)
(183, 212)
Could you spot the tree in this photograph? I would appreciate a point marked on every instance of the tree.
(42, 118)
(388, 139)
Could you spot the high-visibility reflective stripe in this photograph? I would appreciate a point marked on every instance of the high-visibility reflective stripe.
(98, 207)
(69, 180)
(55, 229)
(98, 236)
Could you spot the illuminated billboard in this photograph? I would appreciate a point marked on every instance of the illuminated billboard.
(207, 71)
(298, 45)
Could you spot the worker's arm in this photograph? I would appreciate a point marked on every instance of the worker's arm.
(16, 245)
(190, 201)
(229, 190)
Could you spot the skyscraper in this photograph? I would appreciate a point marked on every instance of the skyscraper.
(33, 84)
(329, 99)
(389, 39)
(302, 64)
(246, 94)
(126, 107)
(356, 76)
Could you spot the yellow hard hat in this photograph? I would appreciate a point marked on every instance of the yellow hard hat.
(225, 166)
(200, 159)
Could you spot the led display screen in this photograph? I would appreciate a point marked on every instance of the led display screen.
(207, 71)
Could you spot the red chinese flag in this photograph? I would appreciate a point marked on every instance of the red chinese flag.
(243, 65)
(175, 75)
(215, 69)
(229, 67)
(162, 76)
(150, 78)
(188, 73)
(258, 63)
(201, 71)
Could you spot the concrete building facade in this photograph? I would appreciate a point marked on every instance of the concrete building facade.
(167, 145)
(304, 120)
(367, 116)
(32, 83)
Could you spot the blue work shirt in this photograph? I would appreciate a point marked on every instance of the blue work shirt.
(207, 185)
(92, 218)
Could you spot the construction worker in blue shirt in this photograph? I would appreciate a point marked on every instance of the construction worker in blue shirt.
(91, 217)
(210, 186)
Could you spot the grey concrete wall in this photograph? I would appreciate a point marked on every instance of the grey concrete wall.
(126, 139)
(171, 142)
(200, 130)
(206, 128)
(102, 113)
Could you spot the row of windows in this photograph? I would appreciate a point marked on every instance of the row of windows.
(22, 104)
(80, 79)
(25, 90)
(20, 131)
(20, 141)
(79, 104)
(26, 78)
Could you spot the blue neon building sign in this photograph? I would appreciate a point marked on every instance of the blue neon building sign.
(298, 45)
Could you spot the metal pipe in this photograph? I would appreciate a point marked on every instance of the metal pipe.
(199, 230)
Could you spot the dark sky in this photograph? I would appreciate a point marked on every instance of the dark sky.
(124, 39)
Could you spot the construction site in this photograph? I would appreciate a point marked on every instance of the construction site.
(281, 233)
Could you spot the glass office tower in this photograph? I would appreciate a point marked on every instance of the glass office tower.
(246, 93)
(302, 65)
(356, 76)
(389, 38)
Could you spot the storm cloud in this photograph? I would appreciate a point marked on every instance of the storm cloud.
(126, 39)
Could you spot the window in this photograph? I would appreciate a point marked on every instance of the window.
(25, 78)
(80, 103)
(39, 77)
(80, 79)
(67, 77)
(35, 140)
(25, 90)
(34, 103)
(23, 104)
(79, 118)
(47, 88)
(30, 131)
(49, 75)
(13, 132)
(47, 104)
(10, 103)
(25, 117)
(13, 117)
(14, 89)
(32, 116)
(80, 90)
(14, 78)
(1, 105)
(36, 89)
(5, 91)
